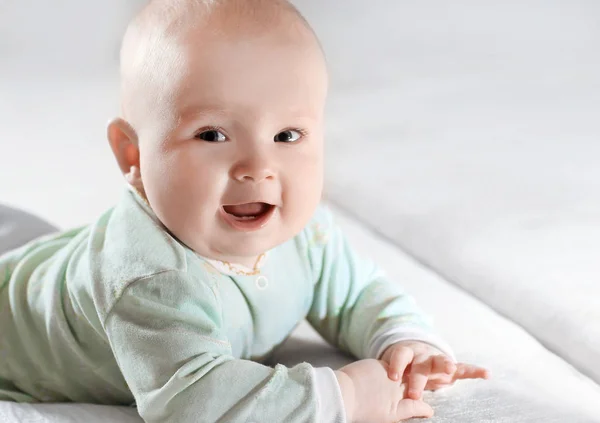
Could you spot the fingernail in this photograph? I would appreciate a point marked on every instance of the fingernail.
(395, 376)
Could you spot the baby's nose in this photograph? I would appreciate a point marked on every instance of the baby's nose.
(255, 170)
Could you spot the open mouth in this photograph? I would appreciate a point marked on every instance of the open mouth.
(247, 211)
(247, 217)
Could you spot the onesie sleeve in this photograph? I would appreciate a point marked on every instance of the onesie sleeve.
(355, 307)
(166, 333)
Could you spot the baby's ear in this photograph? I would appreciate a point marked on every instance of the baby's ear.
(124, 144)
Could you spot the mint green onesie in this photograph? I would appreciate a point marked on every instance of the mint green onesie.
(120, 312)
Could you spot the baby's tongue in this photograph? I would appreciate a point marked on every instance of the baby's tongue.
(250, 209)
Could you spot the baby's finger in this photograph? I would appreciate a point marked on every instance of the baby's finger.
(443, 364)
(468, 371)
(418, 377)
(400, 359)
(408, 408)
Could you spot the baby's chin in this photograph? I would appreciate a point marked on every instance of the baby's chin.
(242, 250)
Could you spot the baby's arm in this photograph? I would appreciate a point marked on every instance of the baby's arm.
(166, 334)
(355, 307)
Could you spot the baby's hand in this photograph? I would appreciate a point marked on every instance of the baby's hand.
(371, 397)
(424, 367)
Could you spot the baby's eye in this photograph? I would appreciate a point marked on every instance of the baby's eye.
(212, 136)
(288, 136)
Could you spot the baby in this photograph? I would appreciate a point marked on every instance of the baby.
(218, 247)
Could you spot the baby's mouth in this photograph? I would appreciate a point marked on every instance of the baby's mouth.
(249, 211)
(248, 217)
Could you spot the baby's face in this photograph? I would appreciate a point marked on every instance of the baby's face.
(241, 170)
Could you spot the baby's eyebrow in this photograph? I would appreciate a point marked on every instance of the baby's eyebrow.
(196, 112)
(193, 113)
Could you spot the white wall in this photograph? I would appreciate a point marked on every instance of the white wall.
(73, 36)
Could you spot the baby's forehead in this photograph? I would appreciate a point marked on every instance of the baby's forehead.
(234, 75)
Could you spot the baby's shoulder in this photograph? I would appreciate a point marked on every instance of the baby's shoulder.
(317, 231)
(130, 245)
(313, 242)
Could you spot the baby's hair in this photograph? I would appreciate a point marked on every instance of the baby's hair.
(153, 58)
